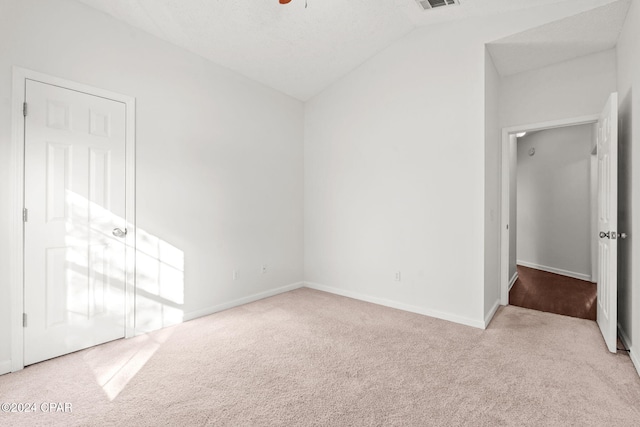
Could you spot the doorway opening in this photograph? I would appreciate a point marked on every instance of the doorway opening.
(552, 194)
(509, 141)
(607, 212)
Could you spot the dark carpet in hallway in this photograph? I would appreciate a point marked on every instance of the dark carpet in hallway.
(554, 293)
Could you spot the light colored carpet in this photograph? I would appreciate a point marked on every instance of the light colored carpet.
(309, 358)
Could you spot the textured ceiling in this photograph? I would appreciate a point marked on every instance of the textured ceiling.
(296, 50)
(579, 35)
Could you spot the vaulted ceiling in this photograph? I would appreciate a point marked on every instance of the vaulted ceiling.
(299, 48)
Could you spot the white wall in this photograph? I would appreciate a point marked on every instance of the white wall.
(554, 201)
(629, 182)
(395, 170)
(492, 189)
(513, 206)
(219, 159)
(575, 88)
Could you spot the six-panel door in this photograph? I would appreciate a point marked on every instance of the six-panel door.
(75, 195)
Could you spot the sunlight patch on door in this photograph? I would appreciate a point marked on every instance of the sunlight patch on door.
(95, 269)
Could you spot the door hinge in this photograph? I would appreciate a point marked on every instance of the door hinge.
(25, 214)
(24, 320)
(24, 109)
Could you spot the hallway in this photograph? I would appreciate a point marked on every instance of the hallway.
(554, 293)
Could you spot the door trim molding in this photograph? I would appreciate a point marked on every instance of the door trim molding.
(504, 187)
(16, 238)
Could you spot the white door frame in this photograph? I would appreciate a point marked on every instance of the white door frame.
(16, 239)
(504, 189)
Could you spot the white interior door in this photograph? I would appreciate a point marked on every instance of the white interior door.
(74, 264)
(608, 222)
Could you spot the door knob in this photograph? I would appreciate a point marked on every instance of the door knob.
(603, 235)
(119, 233)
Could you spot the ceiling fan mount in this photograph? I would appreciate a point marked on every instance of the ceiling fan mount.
(289, 1)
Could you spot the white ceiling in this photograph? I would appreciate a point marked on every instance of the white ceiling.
(579, 35)
(296, 50)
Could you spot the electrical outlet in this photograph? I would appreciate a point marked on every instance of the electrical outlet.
(264, 268)
(398, 276)
(235, 274)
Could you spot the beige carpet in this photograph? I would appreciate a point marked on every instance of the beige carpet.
(310, 358)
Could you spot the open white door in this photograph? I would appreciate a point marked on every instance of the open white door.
(74, 246)
(608, 222)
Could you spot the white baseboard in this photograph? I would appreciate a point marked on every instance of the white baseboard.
(5, 366)
(251, 298)
(580, 276)
(398, 305)
(513, 280)
(491, 313)
(625, 341)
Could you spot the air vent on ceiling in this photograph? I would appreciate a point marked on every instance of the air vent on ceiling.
(432, 4)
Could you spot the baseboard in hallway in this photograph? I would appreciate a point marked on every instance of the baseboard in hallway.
(554, 293)
(560, 271)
